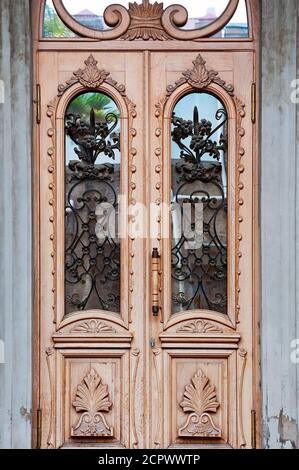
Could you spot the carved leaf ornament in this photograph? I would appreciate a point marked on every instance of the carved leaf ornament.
(199, 400)
(92, 397)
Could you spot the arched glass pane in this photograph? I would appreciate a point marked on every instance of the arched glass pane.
(90, 14)
(92, 182)
(201, 14)
(53, 27)
(238, 25)
(199, 204)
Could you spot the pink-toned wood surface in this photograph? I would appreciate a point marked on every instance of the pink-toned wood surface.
(147, 362)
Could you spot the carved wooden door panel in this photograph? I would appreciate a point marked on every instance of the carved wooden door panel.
(145, 228)
(202, 360)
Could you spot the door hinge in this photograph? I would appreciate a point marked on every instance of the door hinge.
(253, 102)
(37, 103)
(38, 428)
(253, 429)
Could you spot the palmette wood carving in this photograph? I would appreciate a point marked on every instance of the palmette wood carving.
(146, 22)
(93, 326)
(199, 326)
(92, 397)
(91, 77)
(200, 77)
(200, 400)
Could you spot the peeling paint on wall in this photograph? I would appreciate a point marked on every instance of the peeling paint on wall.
(288, 431)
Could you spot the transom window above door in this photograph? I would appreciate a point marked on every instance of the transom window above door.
(220, 19)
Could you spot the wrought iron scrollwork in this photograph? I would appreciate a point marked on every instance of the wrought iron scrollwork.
(199, 273)
(92, 253)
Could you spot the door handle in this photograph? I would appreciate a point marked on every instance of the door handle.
(155, 281)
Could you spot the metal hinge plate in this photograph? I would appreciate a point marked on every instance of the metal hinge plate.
(253, 429)
(253, 103)
(37, 103)
(38, 428)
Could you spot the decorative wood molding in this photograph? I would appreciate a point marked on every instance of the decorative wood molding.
(199, 77)
(51, 152)
(131, 199)
(93, 326)
(135, 358)
(157, 441)
(200, 400)
(198, 327)
(50, 365)
(243, 355)
(240, 107)
(92, 397)
(146, 22)
(158, 182)
(91, 77)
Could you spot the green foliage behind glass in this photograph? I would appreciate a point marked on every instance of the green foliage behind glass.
(102, 105)
(53, 26)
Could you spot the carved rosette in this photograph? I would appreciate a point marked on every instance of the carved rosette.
(92, 397)
(200, 401)
(146, 22)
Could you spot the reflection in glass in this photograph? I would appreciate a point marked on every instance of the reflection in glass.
(90, 12)
(92, 181)
(200, 14)
(199, 204)
(238, 25)
(53, 27)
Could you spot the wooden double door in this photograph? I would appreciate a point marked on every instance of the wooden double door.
(146, 333)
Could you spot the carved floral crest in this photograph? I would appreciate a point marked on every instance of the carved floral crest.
(200, 77)
(199, 326)
(200, 400)
(146, 22)
(92, 397)
(93, 326)
(91, 77)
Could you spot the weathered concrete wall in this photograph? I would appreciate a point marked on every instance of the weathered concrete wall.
(280, 222)
(15, 223)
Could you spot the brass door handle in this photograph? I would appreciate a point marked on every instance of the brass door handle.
(155, 281)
